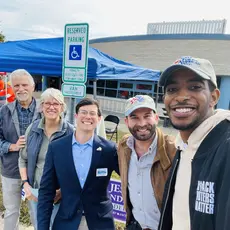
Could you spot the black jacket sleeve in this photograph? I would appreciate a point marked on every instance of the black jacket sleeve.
(222, 209)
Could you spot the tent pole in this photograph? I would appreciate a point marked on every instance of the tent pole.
(157, 96)
(95, 89)
(44, 83)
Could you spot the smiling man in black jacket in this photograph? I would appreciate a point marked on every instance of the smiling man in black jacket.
(197, 193)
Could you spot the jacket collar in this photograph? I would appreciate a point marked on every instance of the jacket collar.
(12, 106)
(38, 127)
(161, 153)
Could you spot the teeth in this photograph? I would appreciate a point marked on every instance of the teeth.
(142, 130)
(183, 110)
(87, 123)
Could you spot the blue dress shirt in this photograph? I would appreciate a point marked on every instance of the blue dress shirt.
(82, 156)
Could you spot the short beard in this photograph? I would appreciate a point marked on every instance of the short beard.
(22, 98)
(191, 126)
(151, 128)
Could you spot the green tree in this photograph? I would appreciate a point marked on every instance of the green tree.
(2, 37)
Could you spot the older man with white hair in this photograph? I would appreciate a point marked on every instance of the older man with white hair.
(15, 117)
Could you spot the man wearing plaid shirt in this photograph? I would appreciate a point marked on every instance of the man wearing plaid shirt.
(15, 117)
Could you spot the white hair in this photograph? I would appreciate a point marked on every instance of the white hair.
(20, 73)
(53, 93)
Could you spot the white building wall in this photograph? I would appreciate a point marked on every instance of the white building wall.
(158, 54)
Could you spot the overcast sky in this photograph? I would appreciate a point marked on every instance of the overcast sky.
(25, 19)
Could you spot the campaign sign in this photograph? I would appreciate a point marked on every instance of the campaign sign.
(114, 190)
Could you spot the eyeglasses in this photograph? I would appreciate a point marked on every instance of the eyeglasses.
(85, 113)
(48, 105)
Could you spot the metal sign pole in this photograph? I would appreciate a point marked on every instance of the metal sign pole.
(95, 89)
(71, 110)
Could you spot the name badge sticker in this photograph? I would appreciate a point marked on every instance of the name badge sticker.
(102, 172)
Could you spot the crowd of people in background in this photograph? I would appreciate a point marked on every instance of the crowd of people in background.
(6, 92)
(63, 170)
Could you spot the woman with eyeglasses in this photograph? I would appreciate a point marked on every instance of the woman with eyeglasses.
(38, 135)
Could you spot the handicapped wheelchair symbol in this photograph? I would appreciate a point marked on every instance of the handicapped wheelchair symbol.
(75, 52)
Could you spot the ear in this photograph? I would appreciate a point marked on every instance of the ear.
(126, 121)
(156, 118)
(215, 95)
(40, 108)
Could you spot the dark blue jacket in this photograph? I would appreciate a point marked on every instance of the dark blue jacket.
(93, 199)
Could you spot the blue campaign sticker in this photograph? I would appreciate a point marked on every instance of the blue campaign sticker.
(102, 172)
(75, 52)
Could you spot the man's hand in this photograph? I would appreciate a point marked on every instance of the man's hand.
(19, 144)
(57, 197)
(28, 193)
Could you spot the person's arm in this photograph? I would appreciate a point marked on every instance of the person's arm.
(22, 164)
(47, 191)
(6, 146)
(18, 145)
(222, 198)
(27, 187)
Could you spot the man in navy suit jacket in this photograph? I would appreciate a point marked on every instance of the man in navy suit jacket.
(80, 165)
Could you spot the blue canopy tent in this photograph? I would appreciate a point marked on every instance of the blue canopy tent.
(44, 57)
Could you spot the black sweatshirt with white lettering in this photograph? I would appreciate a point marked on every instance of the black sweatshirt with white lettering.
(209, 194)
